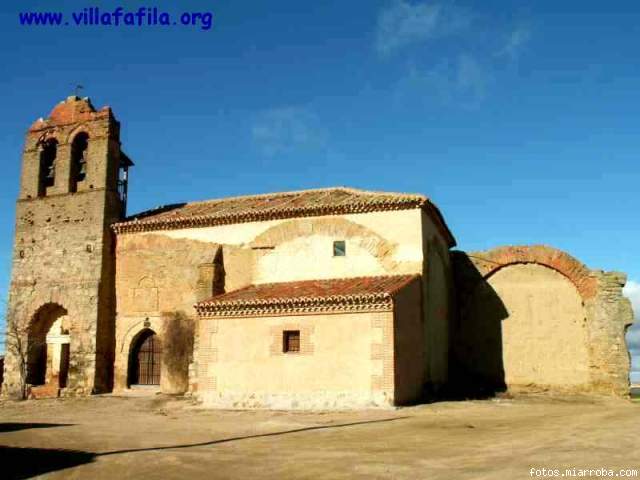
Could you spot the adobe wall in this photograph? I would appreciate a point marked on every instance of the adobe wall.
(379, 243)
(536, 318)
(345, 361)
(437, 294)
(409, 345)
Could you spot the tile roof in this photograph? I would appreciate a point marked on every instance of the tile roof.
(308, 296)
(255, 208)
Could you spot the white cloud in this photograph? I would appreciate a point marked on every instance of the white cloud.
(288, 129)
(403, 23)
(461, 82)
(471, 78)
(514, 42)
(633, 339)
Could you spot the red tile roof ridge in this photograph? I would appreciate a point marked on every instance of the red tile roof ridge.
(260, 196)
(292, 204)
(380, 298)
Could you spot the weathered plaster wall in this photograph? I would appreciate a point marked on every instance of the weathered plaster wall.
(158, 280)
(544, 336)
(534, 317)
(301, 249)
(409, 345)
(345, 361)
(437, 294)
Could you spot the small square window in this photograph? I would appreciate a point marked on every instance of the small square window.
(291, 341)
(339, 248)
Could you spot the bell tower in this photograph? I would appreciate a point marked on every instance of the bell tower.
(61, 306)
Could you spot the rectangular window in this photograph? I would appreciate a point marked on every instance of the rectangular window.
(291, 341)
(339, 248)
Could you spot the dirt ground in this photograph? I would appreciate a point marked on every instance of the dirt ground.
(163, 438)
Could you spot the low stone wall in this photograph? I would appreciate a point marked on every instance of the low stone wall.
(533, 317)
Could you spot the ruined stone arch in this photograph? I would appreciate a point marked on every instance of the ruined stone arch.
(490, 262)
(45, 315)
(524, 318)
(363, 237)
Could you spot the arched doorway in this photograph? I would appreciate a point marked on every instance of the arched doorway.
(145, 359)
(48, 347)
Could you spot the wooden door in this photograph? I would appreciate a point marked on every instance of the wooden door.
(148, 360)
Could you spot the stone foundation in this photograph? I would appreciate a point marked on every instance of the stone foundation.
(321, 400)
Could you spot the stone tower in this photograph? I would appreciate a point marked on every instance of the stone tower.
(61, 305)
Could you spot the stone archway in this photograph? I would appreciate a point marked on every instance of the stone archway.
(48, 343)
(145, 359)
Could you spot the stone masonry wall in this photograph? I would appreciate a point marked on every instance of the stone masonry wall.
(63, 250)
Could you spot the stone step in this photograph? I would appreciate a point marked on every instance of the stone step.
(44, 391)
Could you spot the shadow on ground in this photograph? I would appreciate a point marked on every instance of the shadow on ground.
(19, 463)
(247, 437)
(14, 427)
(28, 462)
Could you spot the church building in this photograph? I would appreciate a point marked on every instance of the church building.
(315, 299)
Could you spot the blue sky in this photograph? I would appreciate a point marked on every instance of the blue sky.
(520, 122)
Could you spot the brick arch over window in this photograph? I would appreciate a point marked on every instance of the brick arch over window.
(83, 128)
(491, 261)
(338, 228)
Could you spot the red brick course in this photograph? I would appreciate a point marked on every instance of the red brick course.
(491, 261)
